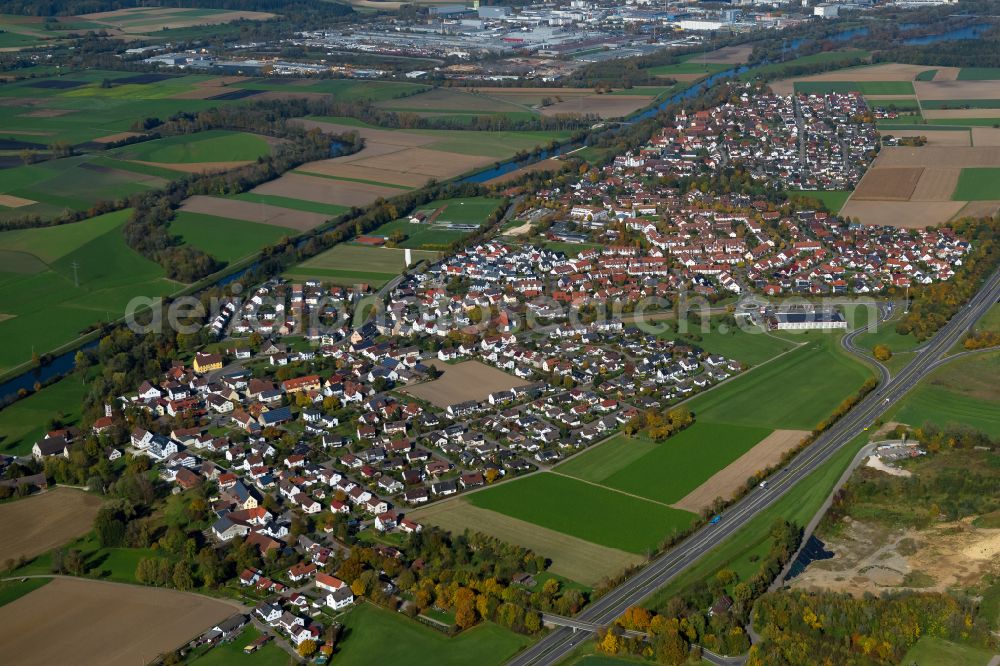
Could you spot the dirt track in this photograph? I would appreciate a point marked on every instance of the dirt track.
(39, 523)
(73, 621)
(731, 478)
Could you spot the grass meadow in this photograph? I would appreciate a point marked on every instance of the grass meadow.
(225, 239)
(350, 264)
(978, 184)
(224, 654)
(584, 510)
(833, 200)
(83, 273)
(468, 210)
(863, 87)
(208, 146)
(23, 423)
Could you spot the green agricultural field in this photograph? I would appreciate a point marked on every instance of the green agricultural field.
(586, 511)
(395, 639)
(72, 183)
(900, 104)
(90, 276)
(978, 184)
(210, 146)
(12, 590)
(229, 653)
(114, 564)
(979, 73)
(931, 651)
(863, 87)
(350, 264)
(343, 89)
(964, 392)
(833, 200)
(926, 75)
(960, 103)
(664, 471)
(468, 210)
(226, 239)
(796, 391)
(24, 422)
(500, 145)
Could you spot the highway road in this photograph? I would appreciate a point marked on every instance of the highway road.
(560, 642)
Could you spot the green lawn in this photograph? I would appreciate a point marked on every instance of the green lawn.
(23, 423)
(226, 239)
(796, 391)
(583, 510)
(372, 631)
(964, 391)
(114, 564)
(960, 103)
(12, 590)
(931, 651)
(91, 276)
(665, 471)
(833, 200)
(225, 654)
(978, 184)
(887, 335)
(209, 146)
(863, 87)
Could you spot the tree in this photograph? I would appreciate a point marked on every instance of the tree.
(306, 648)
(882, 352)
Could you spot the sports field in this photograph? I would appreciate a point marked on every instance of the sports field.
(440, 214)
(350, 264)
(584, 510)
(371, 630)
(225, 239)
(58, 281)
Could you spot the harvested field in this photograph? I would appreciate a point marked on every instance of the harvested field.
(254, 212)
(605, 106)
(10, 201)
(979, 209)
(985, 136)
(401, 138)
(444, 99)
(946, 74)
(97, 622)
(936, 137)
(551, 164)
(728, 55)
(683, 77)
(428, 163)
(888, 184)
(337, 168)
(960, 114)
(884, 72)
(111, 138)
(325, 190)
(195, 167)
(137, 20)
(956, 90)
(733, 476)
(576, 559)
(905, 214)
(936, 184)
(469, 380)
(932, 156)
(39, 523)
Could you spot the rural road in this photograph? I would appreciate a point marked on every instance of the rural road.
(559, 643)
(847, 342)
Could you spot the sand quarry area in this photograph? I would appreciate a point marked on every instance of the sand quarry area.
(873, 558)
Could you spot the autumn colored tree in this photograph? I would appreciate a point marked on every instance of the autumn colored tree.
(881, 352)
(306, 648)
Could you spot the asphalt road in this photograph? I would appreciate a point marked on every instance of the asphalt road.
(560, 642)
